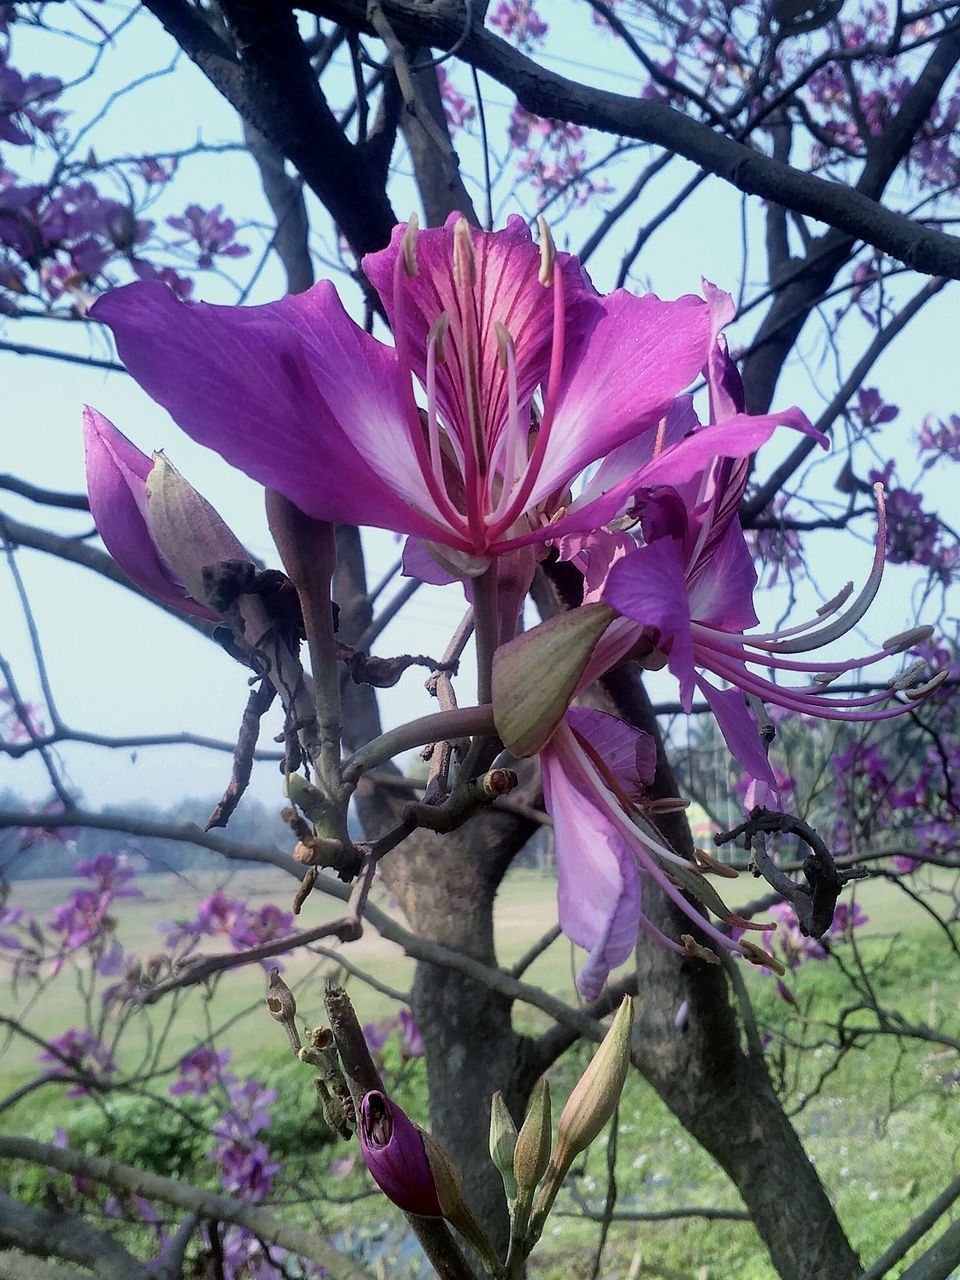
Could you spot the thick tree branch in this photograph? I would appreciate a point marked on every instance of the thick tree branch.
(51, 1233)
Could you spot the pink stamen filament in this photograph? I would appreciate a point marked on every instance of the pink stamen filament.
(433, 480)
(508, 438)
(802, 701)
(535, 465)
(717, 640)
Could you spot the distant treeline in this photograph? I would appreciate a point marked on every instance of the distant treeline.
(254, 823)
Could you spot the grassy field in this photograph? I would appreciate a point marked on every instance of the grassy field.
(884, 1128)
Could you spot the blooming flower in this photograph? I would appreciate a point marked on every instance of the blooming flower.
(302, 399)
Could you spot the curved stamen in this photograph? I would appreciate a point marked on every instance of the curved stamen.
(762, 638)
(722, 641)
(405, 267)
(839, 626)
(531, 474)
(506, 448)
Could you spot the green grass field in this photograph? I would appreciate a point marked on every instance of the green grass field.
(884, 1128)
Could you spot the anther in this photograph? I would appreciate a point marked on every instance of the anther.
(408, 246)
(505, 344)
(464, 259)
(904, 640)
(437, 335)
(548, 251)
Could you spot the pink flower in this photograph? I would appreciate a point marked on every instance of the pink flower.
(302, 399)
(393, 1151)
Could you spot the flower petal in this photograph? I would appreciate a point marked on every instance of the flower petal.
(740, 731)
(292, 392)
(629, 753)
(650, 587)
(721, 585)
(598, 885)
(621, 379)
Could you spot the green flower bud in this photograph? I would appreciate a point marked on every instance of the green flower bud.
(536, 675)
(597, 1092)
(589, 1107)
(532, 1152)
(503, 1142)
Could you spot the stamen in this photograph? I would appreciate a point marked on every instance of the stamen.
(548, 251)
(922, 690)
(464, 259)
(907, 639)
(499, 459)
(910, 676)
(661, 436)
(408, 247)
(841, 625)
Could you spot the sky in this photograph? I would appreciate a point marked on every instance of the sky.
(117, 664)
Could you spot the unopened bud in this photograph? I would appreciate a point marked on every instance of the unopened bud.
(503, 1142)
(189, 533)
(597, 1092)
(532, 1152)
(589, 1107)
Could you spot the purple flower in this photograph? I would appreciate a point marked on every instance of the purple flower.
(905, 865)
(302, 399)
(201, 1070)
(411, 1041)
(246, 1170)
(212, 234)
(846, 918)
(84, 1053)
(10, 919)
(393, 1151)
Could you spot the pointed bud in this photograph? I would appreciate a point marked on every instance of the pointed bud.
(503, 1142)
(536, 675)
(532, 1152)
(597, 1092)
(393, 1150)
(116, 484)
(190, 535)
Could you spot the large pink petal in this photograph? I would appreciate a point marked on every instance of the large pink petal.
(722, 583)
(740, 731)
(116, 477)
(622, 378)
(507, 290)
(293, 393)
(650, 587)
(598, 883)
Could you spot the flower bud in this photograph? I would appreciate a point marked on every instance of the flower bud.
(532, 1152)
(597, 1092)
(536, 675)
(393, 1150)
(117, 487)
(189, 533)
(503, 1142)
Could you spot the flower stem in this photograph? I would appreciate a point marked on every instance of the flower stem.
(441, 726)
(486, 627)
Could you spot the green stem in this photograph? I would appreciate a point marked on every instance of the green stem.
(485, 629)
(442, 726)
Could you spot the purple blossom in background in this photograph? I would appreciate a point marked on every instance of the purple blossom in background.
(248, 1111)
(211, 234)
(10, 919)
(83, 1052)
(201, 1070)
(847, 917)
(18, 724)
(24, 105)
(871, 409)
(905, 865)
(246, 1170)
(778, 548)
(940, 438)
(519, 21)
(455, 106)
(411, 1041)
